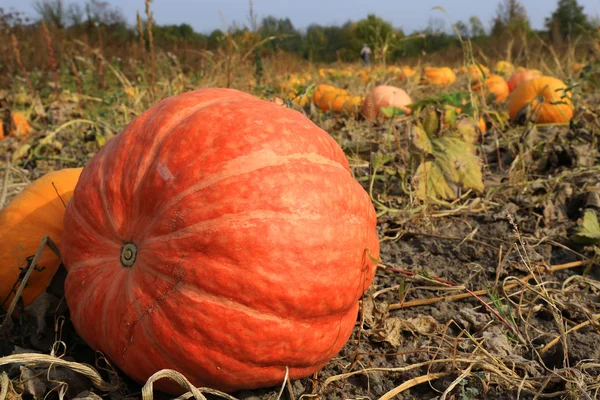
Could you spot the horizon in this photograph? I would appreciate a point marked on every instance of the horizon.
(221, 14)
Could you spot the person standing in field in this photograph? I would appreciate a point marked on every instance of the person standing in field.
(365, 54)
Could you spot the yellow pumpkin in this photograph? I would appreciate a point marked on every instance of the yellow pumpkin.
(504, 68)
(36, 212)
(545, 97)
(494, 84)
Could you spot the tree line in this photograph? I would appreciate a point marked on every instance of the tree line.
(325, 43)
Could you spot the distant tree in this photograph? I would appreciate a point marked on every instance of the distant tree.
(215, 38)
(435, 25)
(511, 16)
(186, 31)
(101, 12)
(75, 14)
(567, 20)
(52, 12)
(462, 29)
(477, 29)
(376, 33)
(288, 38)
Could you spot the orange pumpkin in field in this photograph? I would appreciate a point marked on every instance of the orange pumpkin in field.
(494, 84)
(438, 76)
(328, 97)
(36, 212)
(548, 98)
(20, 127)
(520, 77)
(474, 71)
(186, 229)
(384, 96)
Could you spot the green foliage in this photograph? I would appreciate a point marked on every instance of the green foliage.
(567, 20)
(444, 147)
(391, 111)
(589, 230)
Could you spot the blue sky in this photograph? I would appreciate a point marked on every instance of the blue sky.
(205, 15)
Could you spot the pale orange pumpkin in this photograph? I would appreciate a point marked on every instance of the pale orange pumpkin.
(494, 84)
(36, 212)
(521, 76)
(384, 96)
(545, 97)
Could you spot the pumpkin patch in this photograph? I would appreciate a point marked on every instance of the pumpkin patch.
(251, 205)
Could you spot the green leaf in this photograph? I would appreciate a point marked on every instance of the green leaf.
(589, 231)
(448, 163)
(430, 182)
(419, 141)
(431, 122)
(391, 111)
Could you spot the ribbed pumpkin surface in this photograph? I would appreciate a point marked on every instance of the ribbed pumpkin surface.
(221, 236)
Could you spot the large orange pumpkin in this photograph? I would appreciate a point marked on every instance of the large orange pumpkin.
(494, 84)
(222, 236)
(545, 97)
(520, 77)
(36, 212)
(384, 96)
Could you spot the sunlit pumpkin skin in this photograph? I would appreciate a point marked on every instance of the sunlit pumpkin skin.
(36, 212)
(438, 76)
(482, 125)
(221, 236)
(20, 126)
(578, 67)
(494, 84)
(504, 68)
(384, 96)
(520, 77)
(406, 72)
(475, 71)
(551, 90)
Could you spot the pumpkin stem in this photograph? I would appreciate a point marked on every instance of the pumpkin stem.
(128, 255)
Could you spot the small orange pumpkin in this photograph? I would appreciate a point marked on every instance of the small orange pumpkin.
(34, 213)
(521, 76)
(384, 96)
(494, 84)
(20, 126)
(545, 95)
